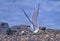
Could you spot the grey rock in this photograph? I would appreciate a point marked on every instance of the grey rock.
(42, 28)
(3, 27)
(19, 28)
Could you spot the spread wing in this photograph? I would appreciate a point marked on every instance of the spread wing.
(35, 16)
(27, 16)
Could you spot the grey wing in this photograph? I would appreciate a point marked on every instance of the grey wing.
(27, 16)
(35, 16)
(31, 28)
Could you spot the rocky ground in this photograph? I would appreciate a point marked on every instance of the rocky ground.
(15, 34)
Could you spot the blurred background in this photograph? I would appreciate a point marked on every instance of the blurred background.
(49, 12)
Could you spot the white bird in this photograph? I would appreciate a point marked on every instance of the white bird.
(33, 20)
